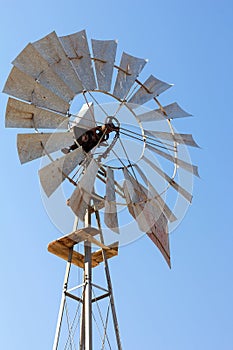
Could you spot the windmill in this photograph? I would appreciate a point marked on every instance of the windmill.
(115, 152)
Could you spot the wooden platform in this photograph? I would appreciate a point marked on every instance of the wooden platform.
(61, 247)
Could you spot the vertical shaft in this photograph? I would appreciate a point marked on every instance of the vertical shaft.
(88, 288)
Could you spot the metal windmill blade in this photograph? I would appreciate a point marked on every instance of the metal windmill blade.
(24, 115)
(110, 214)
(148, 214)
(52, 175)
(104, 53)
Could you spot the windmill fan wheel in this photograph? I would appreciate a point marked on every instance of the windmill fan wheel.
(118, 143)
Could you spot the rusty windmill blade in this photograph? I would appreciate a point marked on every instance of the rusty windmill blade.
(52, 175)
(154, 196)
(33, 146)
(20, 114)
(128, 71)
(104, 53)
(34, 92)
(171, 111)
(151, 88)
(110, 214)
(149, 217)
(32, 63)
(77, 50)
(51, 49)
(181, 163)
(80, 199)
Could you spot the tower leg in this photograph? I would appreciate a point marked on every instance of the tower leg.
(82, 328)
(88, 297)
(109, 282)
(88, 288)
(63, 300)
(86, 300)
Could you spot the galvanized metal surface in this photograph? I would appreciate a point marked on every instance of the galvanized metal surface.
(137, 202)
(63, 299)
(87, 288)
(48, 73)
(181, 163)
(172, 182)
(159, 236)
(130, 68)
(77, 50)
(23, 115)
(129, 184)
(26, 88)
(149, 217)
(51, 49)
(53, 174)
(110, 213)
(172, 111)
(80, 198)
(32, 63)
(33, 146)
(89, 238)
(75, 237)
(153, 193)
(85, 117)
(97, 256)
(186, 139)
(109, 282)
(151, 88)
(104, 53)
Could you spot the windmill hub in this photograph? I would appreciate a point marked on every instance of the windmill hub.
(91, 138)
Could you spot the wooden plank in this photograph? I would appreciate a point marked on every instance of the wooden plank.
(61, 247)
(110, 253)
(85, 234)
(62, 251)
(75, 237)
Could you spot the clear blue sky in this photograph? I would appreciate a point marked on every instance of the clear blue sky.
(188, 43)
